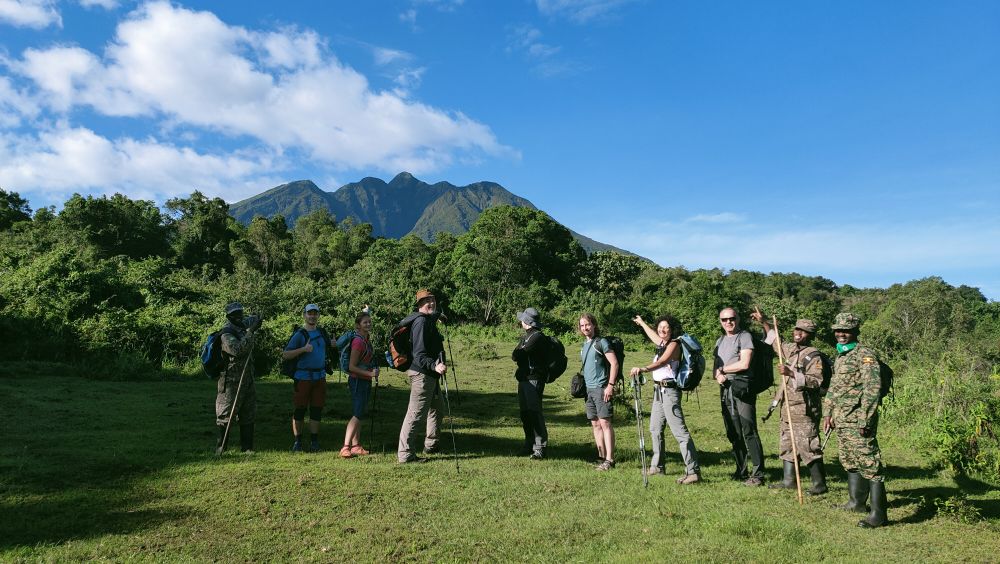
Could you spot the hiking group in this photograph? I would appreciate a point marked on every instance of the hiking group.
(814, 393)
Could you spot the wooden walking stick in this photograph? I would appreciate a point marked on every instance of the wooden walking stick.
(788, 411)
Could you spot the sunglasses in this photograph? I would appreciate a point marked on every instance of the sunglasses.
(727, 319)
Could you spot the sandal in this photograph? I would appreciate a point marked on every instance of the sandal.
(358, 450)
(345, 452)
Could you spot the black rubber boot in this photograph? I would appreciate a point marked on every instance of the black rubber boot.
(857, 491)
(220, 444)
(246, 438)
(818, 475)
(788, 482)
(878, 516)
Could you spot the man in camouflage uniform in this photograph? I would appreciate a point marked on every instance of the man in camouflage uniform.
(803, 373)
(851, 407)
(237, 346)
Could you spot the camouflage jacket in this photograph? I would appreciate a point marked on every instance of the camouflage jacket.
(804, 386)
(853, 398)
(237, 345)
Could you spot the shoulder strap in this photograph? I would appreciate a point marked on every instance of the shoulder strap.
(587, 353)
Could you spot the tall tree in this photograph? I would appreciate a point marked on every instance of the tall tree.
(203, 231)
(13, 208)
(117, 225)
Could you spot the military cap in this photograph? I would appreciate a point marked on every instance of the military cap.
(233, 307)
(846, 322)
(806, 325)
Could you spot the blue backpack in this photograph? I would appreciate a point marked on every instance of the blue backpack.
(692, 366)
(344, 344)
(211, 354)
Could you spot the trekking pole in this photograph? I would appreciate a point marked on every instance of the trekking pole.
(454, 370)
(451, 421)
(826, 439)
(373, 410)
(788, 411)
(236, 399)
(637, 394)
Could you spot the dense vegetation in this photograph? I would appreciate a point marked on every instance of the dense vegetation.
(121, 289)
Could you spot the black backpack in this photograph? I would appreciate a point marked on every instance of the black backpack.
(289, 366)
(399, 353)
(557, 360)
(887, 375)
(761, 367)
(618, 347)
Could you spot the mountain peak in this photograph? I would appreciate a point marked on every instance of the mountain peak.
(403, 179)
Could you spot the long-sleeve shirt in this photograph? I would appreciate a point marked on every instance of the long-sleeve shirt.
(853, 397)
(428, 345)
(529, 354)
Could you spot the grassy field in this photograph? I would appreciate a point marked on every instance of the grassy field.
(126, 471)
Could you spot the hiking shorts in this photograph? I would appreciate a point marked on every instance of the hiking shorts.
(597, 408)
(309, 393)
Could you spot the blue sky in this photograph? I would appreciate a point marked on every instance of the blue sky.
(854, 140)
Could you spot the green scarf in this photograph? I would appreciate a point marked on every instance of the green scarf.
(843, 349)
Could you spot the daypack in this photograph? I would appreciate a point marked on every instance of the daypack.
(692, 366)
(211, 353)
(827, 369)
(557, 360)
(289, 366)
(344, 345)
(399, 353)
(886, 374)
(618, 347)
(761, 366)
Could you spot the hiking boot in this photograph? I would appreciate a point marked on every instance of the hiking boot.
(413, 460)
(432, 450)
(689, 479)
(753, 482)
(358, 450)
(739, 476)
(314, 446)
(857, 494)
(536, 456)
(818, 476)
(878, 516)
(297, 446)
(788, 480)
(345, 452)
(606, 465)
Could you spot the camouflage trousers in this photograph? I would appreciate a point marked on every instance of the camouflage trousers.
(227, 403)
(860, 454)
(807, 441)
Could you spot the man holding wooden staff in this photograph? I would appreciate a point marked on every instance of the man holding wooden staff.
(803, 373)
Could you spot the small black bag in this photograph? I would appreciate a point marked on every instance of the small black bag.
(577, 386)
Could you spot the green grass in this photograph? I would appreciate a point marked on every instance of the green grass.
(126, 471)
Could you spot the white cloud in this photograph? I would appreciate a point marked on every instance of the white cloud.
(62, 160)
(580, 11)
(106, 4)
(15, 105)
(281, 90)
(35, 14)
(409, 17)
(385, 56)
(526, 39)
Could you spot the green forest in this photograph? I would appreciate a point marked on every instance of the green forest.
(112, 288)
